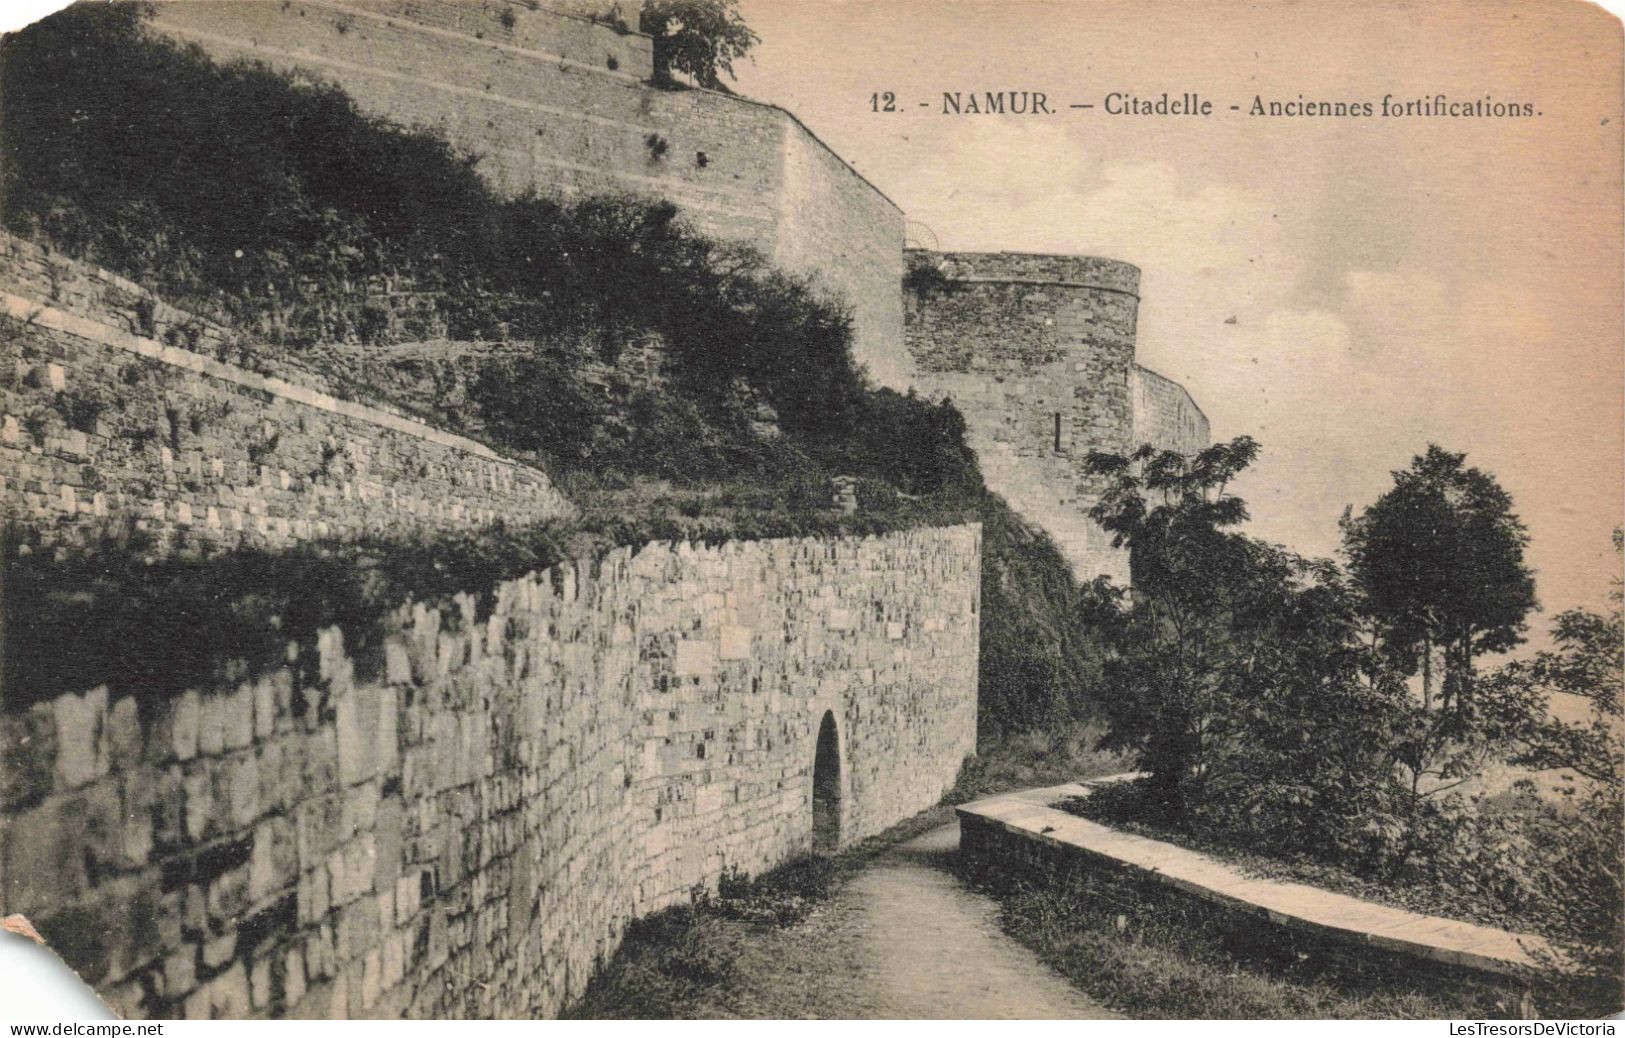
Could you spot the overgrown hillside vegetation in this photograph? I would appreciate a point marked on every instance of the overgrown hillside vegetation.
(276, 206)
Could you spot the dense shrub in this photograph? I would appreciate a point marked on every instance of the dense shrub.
(1249, 688)
(1042, 633)
(1580, 874)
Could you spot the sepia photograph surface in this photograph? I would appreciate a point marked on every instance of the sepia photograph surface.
(752, 509)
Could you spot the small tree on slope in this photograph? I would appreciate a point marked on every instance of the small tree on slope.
(1239, 679)
(1439, 562)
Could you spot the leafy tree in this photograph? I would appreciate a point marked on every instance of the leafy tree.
(1311, 729)
(1585, 664)
(1439, 562)
(698, 37)
(1588, 664)
(1239, 680)
(1244, 680)
(1175, 518)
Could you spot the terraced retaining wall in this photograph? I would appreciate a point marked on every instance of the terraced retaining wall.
(562, 104)
(104, 423)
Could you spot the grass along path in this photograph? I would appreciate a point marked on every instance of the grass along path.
(804, 941)
(901, 938)
(1165, 960)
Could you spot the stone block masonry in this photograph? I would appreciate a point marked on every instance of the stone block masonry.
(103, 425)
(464, 826)
(560, 104)
(1037, 352)
(1165, 416)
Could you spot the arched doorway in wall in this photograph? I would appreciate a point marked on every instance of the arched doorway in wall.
(827, 788)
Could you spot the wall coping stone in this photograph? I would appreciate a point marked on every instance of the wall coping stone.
(1028, 817)
(1011, 267)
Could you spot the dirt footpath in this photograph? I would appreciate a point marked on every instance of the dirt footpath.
(902, 940)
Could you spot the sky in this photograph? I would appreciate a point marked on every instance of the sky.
(1346, 291)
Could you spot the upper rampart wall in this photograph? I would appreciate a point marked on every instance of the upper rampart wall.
(103, 424)
(1165, 416)
(829, 218)
(559, 104)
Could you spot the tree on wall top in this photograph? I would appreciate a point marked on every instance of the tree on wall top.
(700, 38)
(1439, 562)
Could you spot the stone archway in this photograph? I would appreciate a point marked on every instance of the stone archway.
(826, 800)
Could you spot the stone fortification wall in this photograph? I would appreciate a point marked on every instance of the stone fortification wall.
(465, 826)
(559, 103)
(1165, 416)
(103, 423)
(831, 220)
(1037, 352)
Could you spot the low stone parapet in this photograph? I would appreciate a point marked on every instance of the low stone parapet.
(1022, 829)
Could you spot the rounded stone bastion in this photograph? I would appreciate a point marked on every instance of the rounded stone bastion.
(992, 311)
(1037, 353)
